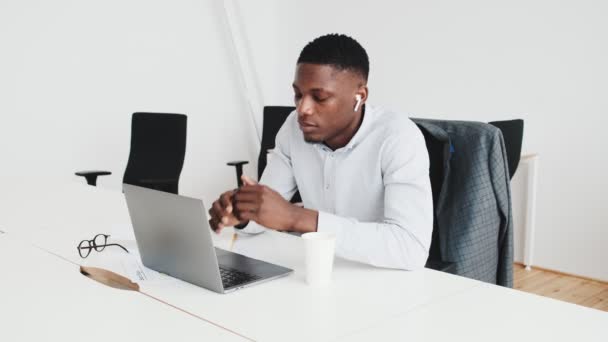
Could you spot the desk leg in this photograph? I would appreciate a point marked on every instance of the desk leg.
(530, 212)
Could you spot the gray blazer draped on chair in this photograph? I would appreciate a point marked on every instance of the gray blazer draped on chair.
(473, 212)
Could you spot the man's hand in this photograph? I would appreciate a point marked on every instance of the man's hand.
(259, 203)
(222, 212)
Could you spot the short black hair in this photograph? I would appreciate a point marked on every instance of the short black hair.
(337, 50)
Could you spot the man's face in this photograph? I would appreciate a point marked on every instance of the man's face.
(324, 98)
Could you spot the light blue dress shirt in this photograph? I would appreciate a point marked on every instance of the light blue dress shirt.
(374, 193)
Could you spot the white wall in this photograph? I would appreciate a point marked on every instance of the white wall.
(72, 72)
(543, 61)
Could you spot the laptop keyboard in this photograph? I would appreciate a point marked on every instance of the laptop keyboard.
(232, 277)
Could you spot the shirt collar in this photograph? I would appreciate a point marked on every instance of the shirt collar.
(368, 118)
(361, 133)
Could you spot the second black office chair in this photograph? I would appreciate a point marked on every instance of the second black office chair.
(513, 136)
(512, 131)
(274, 117)
(156, 157)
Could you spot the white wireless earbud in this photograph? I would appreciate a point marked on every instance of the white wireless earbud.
(358, 98)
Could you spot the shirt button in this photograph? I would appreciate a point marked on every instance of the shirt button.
(327, 186)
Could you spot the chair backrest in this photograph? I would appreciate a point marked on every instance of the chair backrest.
(274, 117)
(158, 148)
(436, 151)
(440, 151)
(513, 134)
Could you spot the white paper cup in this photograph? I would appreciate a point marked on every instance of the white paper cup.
(319, 257)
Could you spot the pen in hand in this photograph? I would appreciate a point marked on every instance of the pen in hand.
(234, 237)
(242, 180)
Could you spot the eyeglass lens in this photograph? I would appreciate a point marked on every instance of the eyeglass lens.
(99, 242)
(84, 248)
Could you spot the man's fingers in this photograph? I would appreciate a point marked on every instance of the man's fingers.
(246, 196)
(216, 210)
(215, 215)
(250, 189)
(226, 202)
(248, 181)
(246, 211)
(214, 225)
(241, 207)
(246, 216)
(219, 215)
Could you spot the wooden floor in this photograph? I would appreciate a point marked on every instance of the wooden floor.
(593, 294)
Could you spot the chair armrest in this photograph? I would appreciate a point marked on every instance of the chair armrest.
(91, 176)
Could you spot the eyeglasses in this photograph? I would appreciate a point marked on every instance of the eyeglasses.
(99, 243)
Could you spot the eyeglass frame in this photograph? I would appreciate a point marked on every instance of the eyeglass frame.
(98, 248)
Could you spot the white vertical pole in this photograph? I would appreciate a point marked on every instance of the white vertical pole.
(530, 211)
(248, 76)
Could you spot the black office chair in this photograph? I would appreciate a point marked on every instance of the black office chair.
(274, 117)
(512, 131)
(158, 148)
(437, 150)
(513, 135)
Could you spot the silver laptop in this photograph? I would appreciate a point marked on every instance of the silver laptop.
(174, 237)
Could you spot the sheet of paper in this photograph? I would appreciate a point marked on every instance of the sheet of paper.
(127, 265)
(137, 272)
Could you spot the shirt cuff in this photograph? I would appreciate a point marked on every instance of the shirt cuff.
(252, 228)
(329, 223)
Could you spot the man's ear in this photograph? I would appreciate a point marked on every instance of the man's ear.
(358, 98)
(361, 96)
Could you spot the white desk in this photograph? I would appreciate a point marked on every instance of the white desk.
(43, 297)
(362, 303)
(360, 295)
(491, 313)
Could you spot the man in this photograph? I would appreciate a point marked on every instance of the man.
(362, 171)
